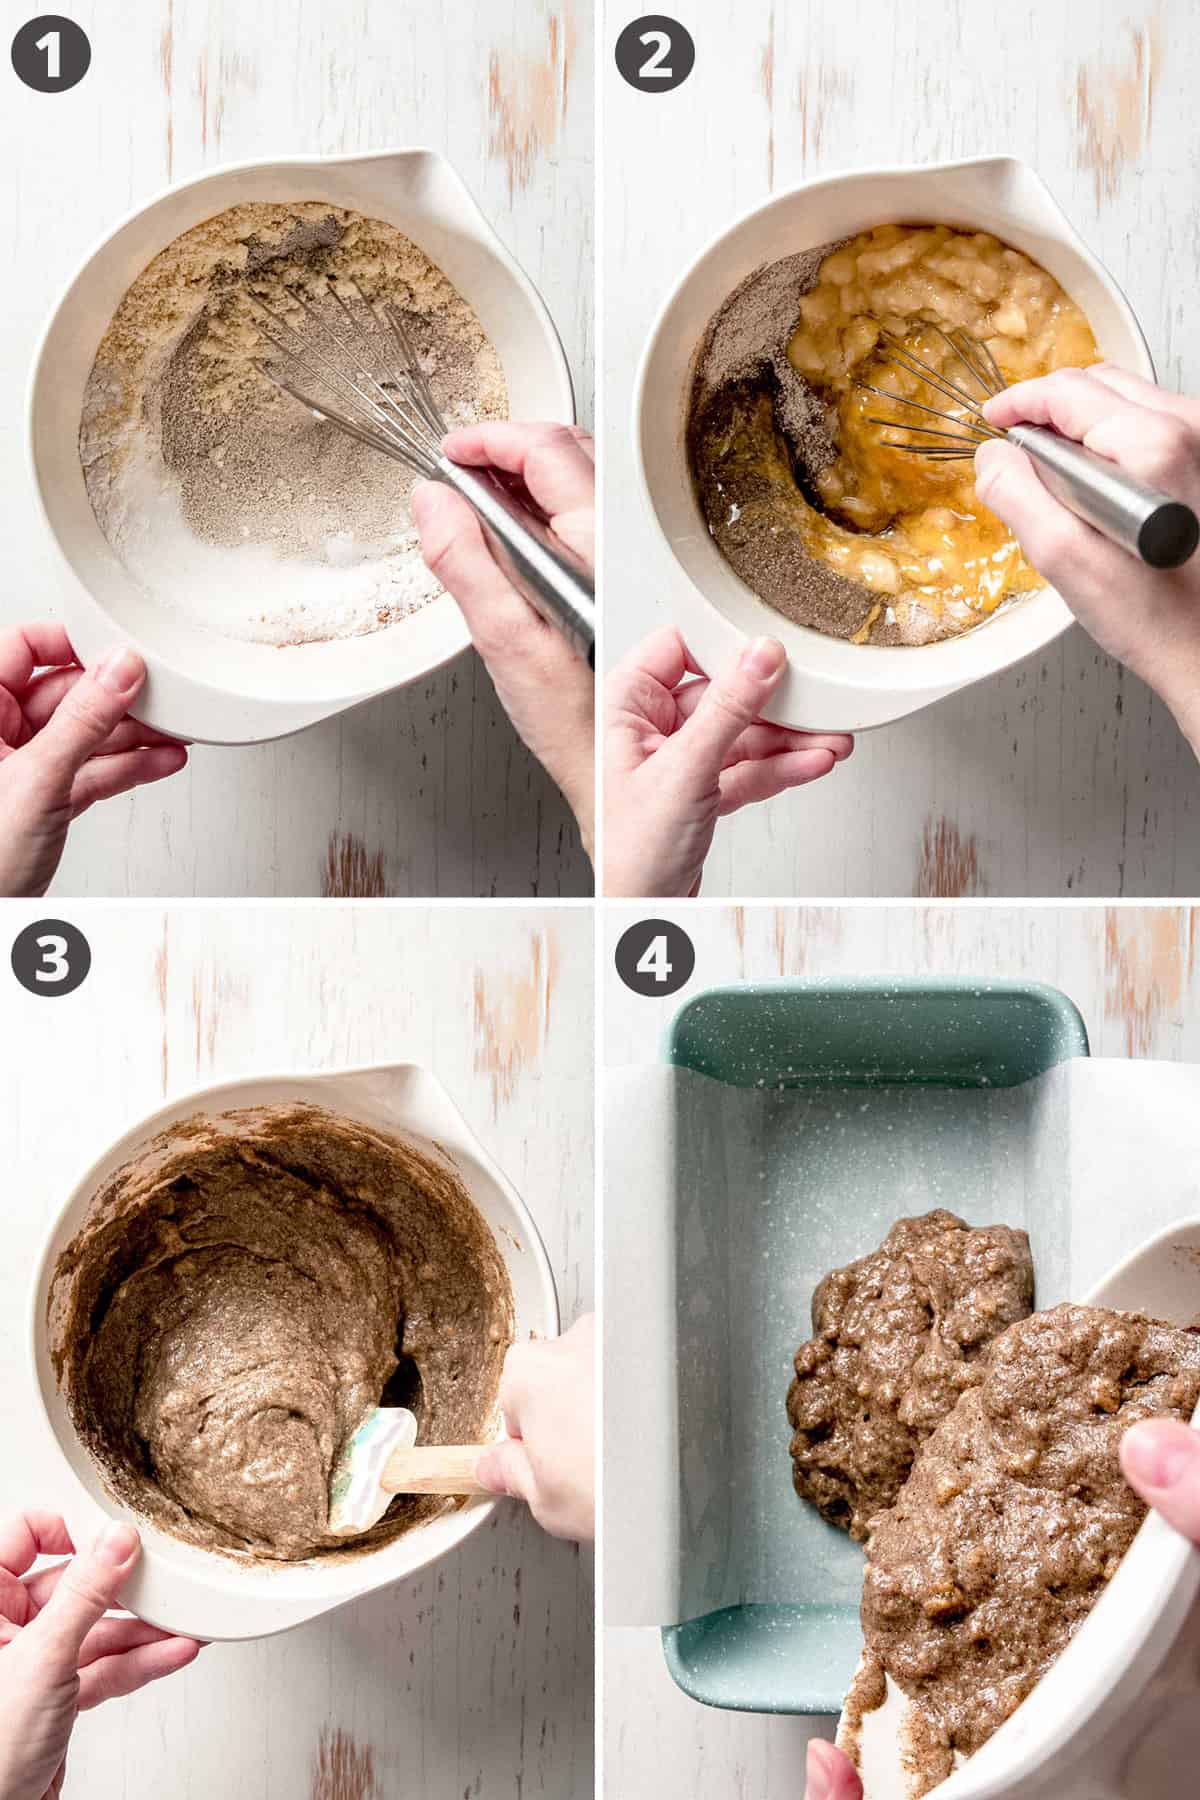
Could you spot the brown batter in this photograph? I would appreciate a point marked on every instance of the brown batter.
(1014, 1518)
(239, 1298)
(898, 1338)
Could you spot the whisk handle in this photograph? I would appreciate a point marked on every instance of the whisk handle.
(1163, 532)
(556, 582)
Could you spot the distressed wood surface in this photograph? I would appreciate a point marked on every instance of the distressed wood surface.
(1134, 973)
(474, 1679)
(1063, 776)
(424, 792)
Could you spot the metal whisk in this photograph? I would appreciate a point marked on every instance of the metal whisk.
(360, 371)
(1163, 532)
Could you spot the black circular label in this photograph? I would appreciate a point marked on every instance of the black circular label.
(655, 957)
(655, 53)
(51, 54)
(51, 957)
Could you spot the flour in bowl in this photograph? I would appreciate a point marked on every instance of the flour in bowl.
(229, 502)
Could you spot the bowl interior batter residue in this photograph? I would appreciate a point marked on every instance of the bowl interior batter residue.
(243, 1293)
(228, 501)
(818, 515)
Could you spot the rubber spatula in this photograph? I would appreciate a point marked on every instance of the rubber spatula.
(383, 1459)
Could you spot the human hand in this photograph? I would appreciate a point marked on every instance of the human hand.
(1160, 1459)
(1147, 618)
(547, 1397)
(545, 688)
(65, 743)
(831, 1775)
(680, 755)
(59, 1652)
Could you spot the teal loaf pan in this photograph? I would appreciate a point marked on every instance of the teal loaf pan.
(841, 1107)
(871, 1031)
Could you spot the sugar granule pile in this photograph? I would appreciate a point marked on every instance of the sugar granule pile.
(228, 501)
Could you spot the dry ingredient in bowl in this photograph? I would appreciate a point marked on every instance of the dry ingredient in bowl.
(229, 502)
(243, 1293)
(825, 523)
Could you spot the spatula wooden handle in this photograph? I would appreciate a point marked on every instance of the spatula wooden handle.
(433, 1469)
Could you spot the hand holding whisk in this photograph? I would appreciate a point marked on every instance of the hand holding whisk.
(343, 360)
(1161, 531)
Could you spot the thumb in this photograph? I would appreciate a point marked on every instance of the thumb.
(1160, 1460)
(1007, 482)
(506, 1469)
(455, 550)
(730, 704)
(830, 1774)
(89, 1586)
(92, 709)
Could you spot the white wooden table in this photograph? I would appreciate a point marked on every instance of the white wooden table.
(476, 1678)
(421, 793)
(1063, 776)
(1134, 973)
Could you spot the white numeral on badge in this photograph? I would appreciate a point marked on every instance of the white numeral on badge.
(653, 66)
(52, 45)
(654, 960)
(55, 966)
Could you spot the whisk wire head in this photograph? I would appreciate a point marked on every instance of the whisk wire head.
(358, 370)
(972, 428)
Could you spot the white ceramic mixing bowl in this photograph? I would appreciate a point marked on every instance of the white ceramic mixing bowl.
(203, 686)
(197, 1592)
(1117, 1717)
(831, 684)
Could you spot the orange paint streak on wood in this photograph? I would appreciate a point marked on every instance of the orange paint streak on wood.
(819, 93)
(780, 935)
(343, 1770)
(233, 72)
(512, 1017)
(766, 77)
(1114, 108)
(166, 64)
(949, 867)
(527, 104)
(351, 871)
(802, 933)
(1149, 958)
(161, 971)
(202, 92)
(211, 995)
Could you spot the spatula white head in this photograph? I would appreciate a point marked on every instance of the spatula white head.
(383, 1459)
(357, 1497)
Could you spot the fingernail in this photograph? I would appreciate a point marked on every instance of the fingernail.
(116, 1543)
(763, 658)
(1158, 1459)
(488, 1476)
(120, 670)
(423, 501)
(818, 1785)
(988, 458)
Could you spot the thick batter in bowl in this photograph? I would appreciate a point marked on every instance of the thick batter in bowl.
(239, 1299)
(212, 1591)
